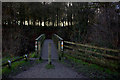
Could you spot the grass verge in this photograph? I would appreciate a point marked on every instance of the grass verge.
(49, 66)
(33, 55)
(18, 67)
(89, 69)
(7, 71)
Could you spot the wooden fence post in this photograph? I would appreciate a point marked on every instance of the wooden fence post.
(26, 57)
(62, 48)
(59, 51)
(9, 63)
(49, 53)
(39, 50)
(36, 46)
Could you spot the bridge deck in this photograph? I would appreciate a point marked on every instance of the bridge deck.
(54, 54)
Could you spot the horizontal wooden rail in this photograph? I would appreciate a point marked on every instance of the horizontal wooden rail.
(95, 61)
(6, 63)
(85, 45)
(58, 36)
(39, 37)
(104, 55)
(18, 59)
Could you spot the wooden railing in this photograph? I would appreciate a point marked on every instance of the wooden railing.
(93, 54)
(89, 46)
(38, 44)
(9, 62)
(39, 40)
(58, 41)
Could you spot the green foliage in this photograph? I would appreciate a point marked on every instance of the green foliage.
(49, 66)
(5, 59)
(108, 71)
(33, 55)
(6, 70)
(15, 68)
(74, 59)
(96, 59)
(60, 54)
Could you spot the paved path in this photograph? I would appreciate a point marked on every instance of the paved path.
(39, 71)
(54, 54)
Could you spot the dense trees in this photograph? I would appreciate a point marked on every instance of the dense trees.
(89, 22)
(65, 13)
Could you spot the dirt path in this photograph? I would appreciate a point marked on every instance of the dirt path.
(39, 71)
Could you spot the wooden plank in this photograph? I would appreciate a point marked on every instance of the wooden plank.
(4, 64)
(40, 36)
(104, 55)
(96, 47)
(69, 48)
(95, 61)
(58, 37)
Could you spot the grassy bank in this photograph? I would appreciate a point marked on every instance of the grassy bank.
(88, 69)
(18, 67)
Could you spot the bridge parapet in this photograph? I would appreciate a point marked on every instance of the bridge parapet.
(38, 44)
(59, 44)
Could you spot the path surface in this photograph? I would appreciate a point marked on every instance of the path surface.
(39, 71)
(54, 54)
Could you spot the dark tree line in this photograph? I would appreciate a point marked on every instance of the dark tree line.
(96, 23)
(36, 12)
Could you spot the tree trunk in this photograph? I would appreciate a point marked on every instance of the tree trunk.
(71, 20)
(53, 23)
(68, 22)
(40, 23)
(48, 23)
(57, 17)
(34, 22)
(4, 22)
(44, 21)
(28, 22)
(24, 22)
(63, 22)
(16, 22)
(9, 22)
(20, 22)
